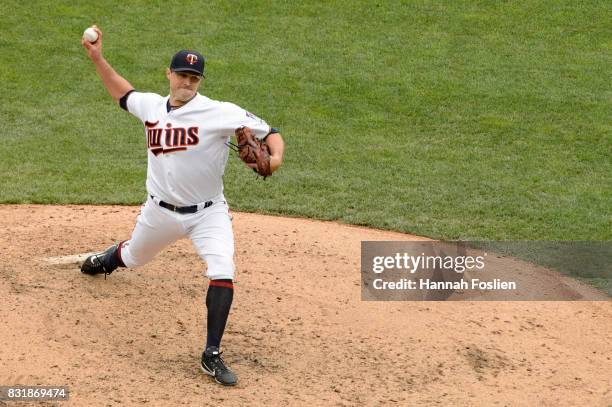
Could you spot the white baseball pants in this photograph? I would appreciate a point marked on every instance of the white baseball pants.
(209, 229)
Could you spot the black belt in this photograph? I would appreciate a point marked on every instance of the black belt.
(183, 209)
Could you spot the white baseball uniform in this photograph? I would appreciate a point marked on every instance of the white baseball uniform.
(187, 153)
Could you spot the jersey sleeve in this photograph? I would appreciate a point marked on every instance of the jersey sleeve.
(240, 117)
(141, 104)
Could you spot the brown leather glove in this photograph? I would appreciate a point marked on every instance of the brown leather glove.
(253, 151)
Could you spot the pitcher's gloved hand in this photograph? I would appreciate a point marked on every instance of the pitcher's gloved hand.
(254, 152)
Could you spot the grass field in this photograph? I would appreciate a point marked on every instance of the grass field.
(457, 120)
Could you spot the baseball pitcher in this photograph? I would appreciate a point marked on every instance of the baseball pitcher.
(188, 140)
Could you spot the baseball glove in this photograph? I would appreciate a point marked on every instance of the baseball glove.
(254, 152)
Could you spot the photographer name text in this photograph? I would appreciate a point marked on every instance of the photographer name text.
(428, 284)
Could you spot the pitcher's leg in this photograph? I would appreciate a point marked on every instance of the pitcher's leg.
(213, 239)
(218, 301)
(155, 229)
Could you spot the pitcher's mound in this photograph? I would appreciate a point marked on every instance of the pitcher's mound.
(298, 333)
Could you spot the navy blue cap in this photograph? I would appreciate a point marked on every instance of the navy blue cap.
(188, 61)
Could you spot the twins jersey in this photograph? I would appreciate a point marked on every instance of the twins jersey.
(187, 147)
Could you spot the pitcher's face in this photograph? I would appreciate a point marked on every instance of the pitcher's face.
(183, 85)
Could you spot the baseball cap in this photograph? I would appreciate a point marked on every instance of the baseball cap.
(188, 61)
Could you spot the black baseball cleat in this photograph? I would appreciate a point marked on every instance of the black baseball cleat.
(213, 365)
(101, 263)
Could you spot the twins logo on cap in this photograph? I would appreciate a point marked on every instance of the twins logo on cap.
(188, 61)
(192, 59)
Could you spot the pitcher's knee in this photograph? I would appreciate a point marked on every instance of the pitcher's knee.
(220, 267)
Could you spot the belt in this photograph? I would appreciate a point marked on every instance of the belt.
(182, 209)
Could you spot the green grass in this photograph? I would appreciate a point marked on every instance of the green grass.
(456, 120)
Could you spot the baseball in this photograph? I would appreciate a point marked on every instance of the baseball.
(90, 35)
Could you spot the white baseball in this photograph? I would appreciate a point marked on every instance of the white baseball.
(90, 35)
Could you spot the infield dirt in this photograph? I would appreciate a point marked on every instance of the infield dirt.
(298, 333)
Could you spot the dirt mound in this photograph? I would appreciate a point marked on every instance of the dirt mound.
(298, 333)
